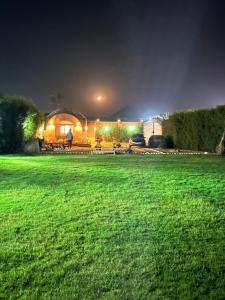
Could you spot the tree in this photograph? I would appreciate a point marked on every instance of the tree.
(19, 119)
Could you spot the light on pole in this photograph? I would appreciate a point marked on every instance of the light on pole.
(95, 128)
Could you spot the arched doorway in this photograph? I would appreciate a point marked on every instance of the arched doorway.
(59, 122)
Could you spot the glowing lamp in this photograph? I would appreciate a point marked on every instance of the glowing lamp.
(40, 130)
(98, 120)
(51, 126)
(118, 120)
(78, 127)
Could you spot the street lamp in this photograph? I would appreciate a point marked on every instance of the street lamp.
(154, 118)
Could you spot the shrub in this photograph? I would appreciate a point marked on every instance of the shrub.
(19, 119)
(118, 133)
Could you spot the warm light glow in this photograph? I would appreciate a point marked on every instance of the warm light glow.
(132, 128)
(95, 128)
(40, 131)
(99, 98)
(78, 123)
(78, 127)
(98, 120)
(51, 126)
(118, 120)
(86, 128)
(65, 129)
(106, 128)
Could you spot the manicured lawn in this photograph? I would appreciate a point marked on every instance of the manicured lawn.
(112, 227)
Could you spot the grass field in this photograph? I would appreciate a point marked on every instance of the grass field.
(112, 227)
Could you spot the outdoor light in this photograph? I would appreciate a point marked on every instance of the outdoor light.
(41, 130)
(78, 127)
(51, 126)
(141, 121)
(98, 120)
(132, 128)
(118, 120)
(106, 129)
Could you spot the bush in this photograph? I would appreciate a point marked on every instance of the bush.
(196, 130)
(19, 119)
(118, 133)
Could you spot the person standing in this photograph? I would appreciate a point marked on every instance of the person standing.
(69, 138)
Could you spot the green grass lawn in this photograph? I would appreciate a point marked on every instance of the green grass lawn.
(112, 227)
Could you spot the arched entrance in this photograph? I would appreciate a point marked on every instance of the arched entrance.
(59, 122)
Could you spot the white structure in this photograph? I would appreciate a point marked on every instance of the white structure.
(152, 127)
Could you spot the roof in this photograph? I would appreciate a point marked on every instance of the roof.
(58, 111)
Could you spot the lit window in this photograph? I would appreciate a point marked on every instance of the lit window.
(67, 128)
(64, 129)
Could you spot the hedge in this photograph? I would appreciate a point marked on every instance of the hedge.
(19, 119)
(196, 130)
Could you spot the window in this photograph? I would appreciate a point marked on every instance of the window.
(64, 129)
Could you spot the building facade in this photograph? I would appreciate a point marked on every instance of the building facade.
(60, 121)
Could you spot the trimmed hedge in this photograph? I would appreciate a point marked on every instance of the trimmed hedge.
(196, 130)
(19, 119)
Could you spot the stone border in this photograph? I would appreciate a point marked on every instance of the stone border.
(115, 152)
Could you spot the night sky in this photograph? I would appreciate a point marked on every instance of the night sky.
(160, 55)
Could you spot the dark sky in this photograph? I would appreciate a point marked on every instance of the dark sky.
(162, 55)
